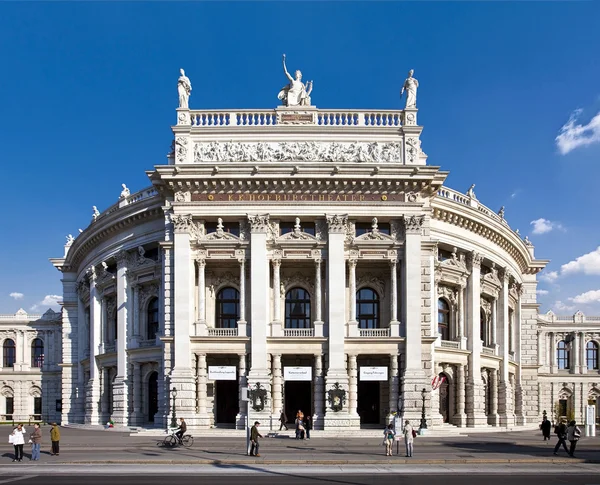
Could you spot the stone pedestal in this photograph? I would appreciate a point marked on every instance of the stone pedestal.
(344, 418)
(264, 416)
(185, 402)
(92, 402)
(475, 402)
(120, 402)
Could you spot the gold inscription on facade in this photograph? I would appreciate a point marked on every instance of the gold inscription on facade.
(315, 197)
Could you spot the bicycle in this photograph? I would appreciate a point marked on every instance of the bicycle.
(171, 440)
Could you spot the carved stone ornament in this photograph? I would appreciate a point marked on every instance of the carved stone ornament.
(297, 234)
(474, 259)
(336, 396)
(183, 196)
(222, 279)
(296, 279)
(457, 260)
(337, 224)
(396, 230)
(259, 223)
(371, 280)
(182, 222)
(492, 276)
(486, 306)
(181, 149)
(258, 397)
(413, 224)
(220, 234)
(450, 294)
(413, 148)
(301, 151)
(374, 234)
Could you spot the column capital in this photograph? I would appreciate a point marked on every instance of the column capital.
(393, 262)
(259, 223)
(504, 275)
(182, 223)
(413, 224)
(337, 223)
(474, 259)
(122, 257)
(276, 262)
(352, 263)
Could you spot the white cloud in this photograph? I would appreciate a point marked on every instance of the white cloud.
(592, 296)
(573, 135)
(560, 306)
(550, 276)
(542, 226)
(588, 264)
(48, 301)
(542, 292)
(16, 295)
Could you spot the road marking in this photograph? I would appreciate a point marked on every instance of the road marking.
(16, 479)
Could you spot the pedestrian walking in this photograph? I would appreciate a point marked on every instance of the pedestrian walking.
(308, 424)
(17, 438)
(283, 420)
(409, 436)
(254, 435)
(388, 439)
(561, 433)
(36, 442)
(55, 439)
(546, 426)
(573, 435)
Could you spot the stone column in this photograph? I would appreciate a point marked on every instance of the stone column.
(394, 324)
(414, 379)
(319, 393)
(137, 394)
(201, 283)
(276, 326)
(493, 416)
(259, 307)
(337, 375)
(393, 383)
(120, 389)
(552, 350)
(182, 377)
(107, 390)
(136, 313)
(92, 394)
(242, 331)
(103, 325)
(277, 391)
(318, 323)
(504, 389)
(352, 323)
(474, 388)
(518, 389)
(462, 338)
(71, 384)
(582, 352)
(494, 337)
(460, 418)
(576, 367)
(353, 383)
(243, 382)
(203, 417)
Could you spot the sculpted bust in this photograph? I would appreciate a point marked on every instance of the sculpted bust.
(295, 93)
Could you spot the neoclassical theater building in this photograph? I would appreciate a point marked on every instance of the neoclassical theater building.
(314, 258)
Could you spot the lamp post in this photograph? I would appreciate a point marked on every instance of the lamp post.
(423, 419)
(174, 417)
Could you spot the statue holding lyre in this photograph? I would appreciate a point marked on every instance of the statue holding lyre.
(296, 93)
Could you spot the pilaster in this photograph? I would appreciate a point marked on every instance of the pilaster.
(277, 391)
(319, 393)
(92, 411)
(460, 418)
(504, 390)
(120, 389)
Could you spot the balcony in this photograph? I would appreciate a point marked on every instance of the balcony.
(449, 344)
(373, 332)
(488, 351)
(222, 332)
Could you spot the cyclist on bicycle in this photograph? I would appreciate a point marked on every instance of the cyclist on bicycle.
(182, 429)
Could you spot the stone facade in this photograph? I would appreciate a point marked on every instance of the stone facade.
(327, 247)
(29, 370)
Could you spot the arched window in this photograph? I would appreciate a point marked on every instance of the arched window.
(228, 308)
(444, 319)
(591, 355)
(367, 308)
(562, 355)
(152, 319)
(9, 352)
(483, 327)
(37, 353)
(297, 308)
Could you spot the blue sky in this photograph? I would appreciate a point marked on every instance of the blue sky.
(88, 94)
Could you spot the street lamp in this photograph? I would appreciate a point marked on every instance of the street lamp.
(423, 420)
(174, 418)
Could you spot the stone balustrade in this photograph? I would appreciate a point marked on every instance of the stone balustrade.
(488, 351)
(449, 344)
(298, 332)
(223, 332)
(342, 118)
(373, 332)
(465, 200)
(143, 194)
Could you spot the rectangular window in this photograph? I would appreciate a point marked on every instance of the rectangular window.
(10, 407)
(37, 406)
(562, 407)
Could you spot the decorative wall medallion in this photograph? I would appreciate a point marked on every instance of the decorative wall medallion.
(258, 397)
(336, 396)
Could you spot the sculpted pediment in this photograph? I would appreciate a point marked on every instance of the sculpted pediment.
(374, 234)
(456, 261)
(297, 236)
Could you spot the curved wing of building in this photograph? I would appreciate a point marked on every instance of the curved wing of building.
(313, 258)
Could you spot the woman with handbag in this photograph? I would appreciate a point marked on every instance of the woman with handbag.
(17, 439)
(388, 439)
(409, 434)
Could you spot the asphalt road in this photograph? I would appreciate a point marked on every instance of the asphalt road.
(289, 478)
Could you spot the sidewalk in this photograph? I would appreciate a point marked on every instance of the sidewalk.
(112, 447)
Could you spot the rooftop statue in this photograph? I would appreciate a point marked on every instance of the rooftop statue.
(410, 86)
(471, 192)
(184, 88)
(295, 93)
(125, 192)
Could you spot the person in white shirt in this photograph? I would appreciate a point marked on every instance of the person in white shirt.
(408, 438)
(17, 438)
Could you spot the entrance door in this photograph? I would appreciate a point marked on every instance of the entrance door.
(297, 395)
(227, 403)
(444, 399)
(368, 402)
(152, 396)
